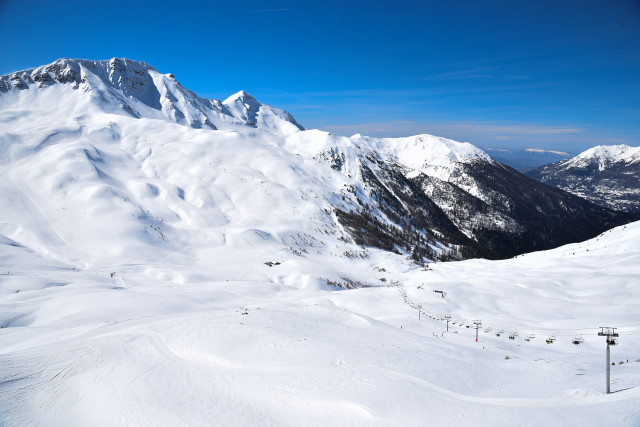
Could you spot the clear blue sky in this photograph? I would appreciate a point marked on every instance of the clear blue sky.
(547, 74)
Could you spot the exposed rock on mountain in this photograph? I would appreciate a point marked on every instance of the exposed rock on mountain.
(606, 175)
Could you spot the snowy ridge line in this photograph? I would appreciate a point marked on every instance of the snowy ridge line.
(136, 89)
(508, 330)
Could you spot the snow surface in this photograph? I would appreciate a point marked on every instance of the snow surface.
(153, 272)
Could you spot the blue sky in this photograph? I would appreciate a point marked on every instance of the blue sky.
(561, 75)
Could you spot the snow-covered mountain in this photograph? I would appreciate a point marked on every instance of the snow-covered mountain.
(605, 156)
(606, 175)
(168, 260)
(220, 335)
(116, 142)
(139, 90)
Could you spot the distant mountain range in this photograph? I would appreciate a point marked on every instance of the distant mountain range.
(106, 158)
(528, 158)
(606, 175)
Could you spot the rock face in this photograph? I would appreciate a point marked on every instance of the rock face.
(116, 142)
(477, 206)
(606, 175)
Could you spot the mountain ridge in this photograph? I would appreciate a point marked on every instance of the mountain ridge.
(115, 143)
(138, 89)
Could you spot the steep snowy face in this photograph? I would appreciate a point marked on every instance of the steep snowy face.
(132, 78)
(123, 86)
(604, 156)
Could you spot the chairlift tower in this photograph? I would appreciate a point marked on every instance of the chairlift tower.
(611, 335)
(478, 324)
(447, 317)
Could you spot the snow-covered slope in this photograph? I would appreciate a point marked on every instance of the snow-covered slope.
(239, 342)
(606, 175)
(155, 271)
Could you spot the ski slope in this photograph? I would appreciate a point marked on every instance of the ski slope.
(169, 260)
(237, 342)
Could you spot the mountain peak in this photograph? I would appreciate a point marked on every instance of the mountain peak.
(247, 108)
(243, 99)
(612, 152)
(135, 88)
(605, 156)
(243, 106)
(419, 151)
(607, 175)
(242, 95)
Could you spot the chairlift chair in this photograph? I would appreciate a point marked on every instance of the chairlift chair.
(512, 337)
(578, 340)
